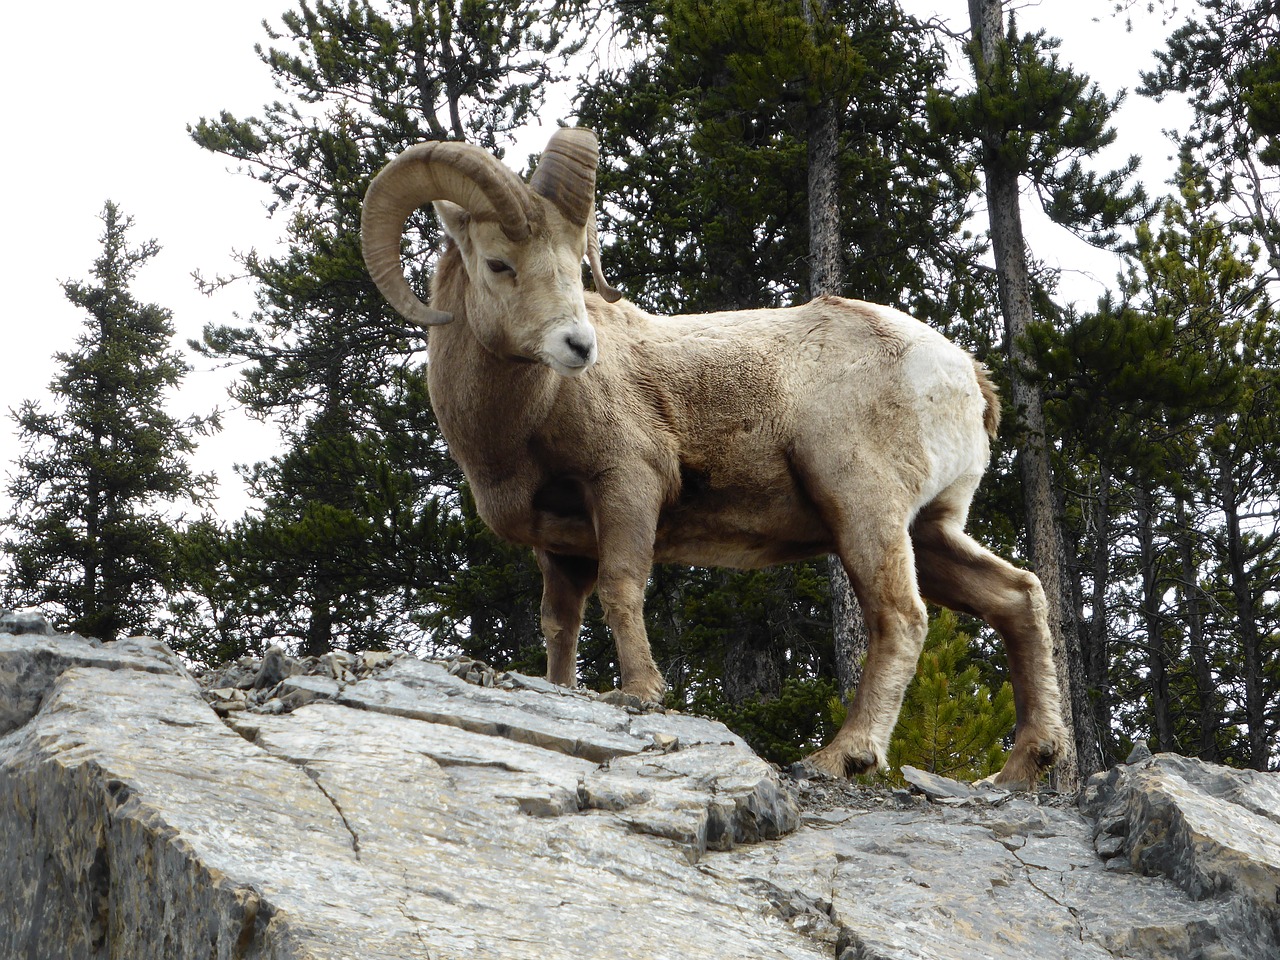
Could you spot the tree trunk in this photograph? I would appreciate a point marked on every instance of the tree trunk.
(1044, 534)
(1255, 701)
(1157, 656)
(319, 639)
(1097, 658)
(753, 667)
(1193, 616)
(826, 278)
(90, 592)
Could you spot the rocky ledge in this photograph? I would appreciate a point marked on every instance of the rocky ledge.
(377, 806)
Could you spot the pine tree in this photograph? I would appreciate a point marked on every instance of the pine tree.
(93, 544)
(1226, 61)
(957, 712)
(1033, 118)
(1162, 401)
(952, 721)
(705, 139)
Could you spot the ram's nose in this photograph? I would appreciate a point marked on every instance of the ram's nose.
(571, 349)
(582, 345)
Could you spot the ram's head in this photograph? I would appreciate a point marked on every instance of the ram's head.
(521, 244)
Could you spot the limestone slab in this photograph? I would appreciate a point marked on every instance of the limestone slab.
(411, 814)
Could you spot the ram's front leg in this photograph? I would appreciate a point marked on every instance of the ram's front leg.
(566, 584)
(626, 522)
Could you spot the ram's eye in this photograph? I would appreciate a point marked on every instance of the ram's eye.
(499, 266)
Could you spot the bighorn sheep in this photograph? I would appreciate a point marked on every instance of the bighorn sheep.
(608, 439)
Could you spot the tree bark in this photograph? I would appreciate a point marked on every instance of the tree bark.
(1083, 756)
(1193, 616)
(1157, 656)
(1097, 659)
(1255, 700)
(826, 278)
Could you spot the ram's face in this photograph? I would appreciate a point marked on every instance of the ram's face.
(522, 244)
(528, 300)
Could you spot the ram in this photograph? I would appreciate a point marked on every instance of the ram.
(608, 439)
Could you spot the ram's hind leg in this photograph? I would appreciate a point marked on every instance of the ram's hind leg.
(566, 584)
(955, 571)
(880, 565)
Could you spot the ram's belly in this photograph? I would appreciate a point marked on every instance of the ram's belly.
(732, 522)
(740, 549)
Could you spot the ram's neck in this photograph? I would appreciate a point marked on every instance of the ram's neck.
(487, 407)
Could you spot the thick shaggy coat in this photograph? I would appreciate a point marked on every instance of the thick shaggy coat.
(608, 439)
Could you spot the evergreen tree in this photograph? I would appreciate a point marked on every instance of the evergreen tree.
(957, 712)
(1033, 119)
(798, 719)
(92, 544)
(1194, 272)
(1162, 402)
(1226, 61)
(952, 721)
(357, 538)
(705, 139)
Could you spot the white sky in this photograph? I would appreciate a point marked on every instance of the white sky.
(97, 100)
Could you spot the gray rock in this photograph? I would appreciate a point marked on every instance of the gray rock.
(412, 813)
(19, 622)
(1139, 753)
(304, 689)
(567, 723)
(936, 787)
(1213, 831)
(371, 660)
(31, 663)
(276, 665)
(1012, 882)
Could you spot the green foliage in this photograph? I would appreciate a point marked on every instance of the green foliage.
(1161, 402)
(1224, 60)
(705, 143)
(93, 545)
(951, 723)
(781, 729)
(1037, 118)
(1261, 81)
(745, 631)
(488, 604)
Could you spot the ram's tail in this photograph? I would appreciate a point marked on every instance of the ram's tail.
(991, 413)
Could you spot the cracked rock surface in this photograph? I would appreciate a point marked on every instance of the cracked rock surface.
(377, 807)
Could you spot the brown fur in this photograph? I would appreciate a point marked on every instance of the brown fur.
(991, 414)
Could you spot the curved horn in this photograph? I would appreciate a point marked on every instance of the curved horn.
(459, 172)
(603, 288)
(566, 174)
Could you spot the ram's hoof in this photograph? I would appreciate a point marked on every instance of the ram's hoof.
(1028, 759)
(647, 691)
(841, 762)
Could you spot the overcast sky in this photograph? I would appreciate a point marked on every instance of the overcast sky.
(97, 100)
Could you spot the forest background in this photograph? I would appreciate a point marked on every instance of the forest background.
(345, 525)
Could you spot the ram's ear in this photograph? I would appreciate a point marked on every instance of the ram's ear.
(454, 219)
